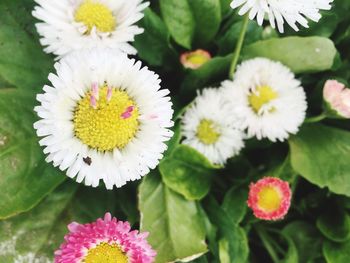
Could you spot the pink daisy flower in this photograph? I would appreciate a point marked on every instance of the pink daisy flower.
(195, 59)
(270, 198)
(106, 240)
(337, 97)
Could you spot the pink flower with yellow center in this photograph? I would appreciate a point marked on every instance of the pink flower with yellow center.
(269, 198)
(337, 97)
(106, 240)
(195, 59)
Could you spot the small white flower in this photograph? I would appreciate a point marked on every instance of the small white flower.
(278, 11)
(69, 25)
(104, 117)
(269, 99)
(210, 125)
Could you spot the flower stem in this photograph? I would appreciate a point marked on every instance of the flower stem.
(266, 241)
(239, 46)
(318, 118)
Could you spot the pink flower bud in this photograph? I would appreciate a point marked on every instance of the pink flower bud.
(337, 98)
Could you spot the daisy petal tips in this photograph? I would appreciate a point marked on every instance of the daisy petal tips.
(270, 198)
(107, 240)
(68, 25)
(292, 11)
(98, 118)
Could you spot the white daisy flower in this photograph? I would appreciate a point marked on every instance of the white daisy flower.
(104, 117)
(292, 11)
(210, 125)
(269, 99)
(70, 25)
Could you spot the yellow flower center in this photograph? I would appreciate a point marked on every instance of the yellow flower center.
(269, 199)
(107, 126)
(197, 59)
(94, 14)
(262, 96)
(207, 133)
(106, 253)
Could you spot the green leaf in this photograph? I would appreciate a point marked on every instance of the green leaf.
(23, 236)
(207, 15)
(313, 152)
(336, 252)
(153, 45)
(225, 7)
(235, 203)
(25, 176)
(334, 223)
(22, 61)
(306, 238)
(179, 19)
(47, 223)
(300, 54)
(233, 244)
(214, 70)
(176, 228)
(292, 252)
(187, 172)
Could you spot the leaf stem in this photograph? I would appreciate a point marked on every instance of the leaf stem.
(318, 118)
(239, 46)
(266, 241)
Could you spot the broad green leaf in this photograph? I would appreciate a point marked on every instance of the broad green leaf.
(23, 236)
(22, 61)
(313, 153)
(291, 255)
(336, 252)
(215, 70)
(306, 238)
(25, 177)
(207, 15)
(233, 244)
(175, 225)
(187, 172)
(153, 45)
(300, 54)
(34, 236)
(235, 203)
(179, 19)
(334, 223)
(225, 7)
(228, 39)
(284, 171)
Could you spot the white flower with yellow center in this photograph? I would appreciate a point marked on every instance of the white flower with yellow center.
(269, 99)
(104, 117)
(210, 125)
(278, 11)
(69, 25)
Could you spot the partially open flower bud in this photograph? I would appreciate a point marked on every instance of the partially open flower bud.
(195, 59)
(337, 98)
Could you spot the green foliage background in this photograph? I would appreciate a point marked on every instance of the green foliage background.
(193, 210)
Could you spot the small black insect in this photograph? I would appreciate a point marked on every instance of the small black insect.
(87, 160)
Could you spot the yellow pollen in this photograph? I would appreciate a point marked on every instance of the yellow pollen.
(207, 133)
(269, 199)
(104, 128)
(94, 14)
(106, 253)
(197, 59)
(262, 96)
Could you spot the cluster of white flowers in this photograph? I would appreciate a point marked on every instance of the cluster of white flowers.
(264, 100)
(104, 117)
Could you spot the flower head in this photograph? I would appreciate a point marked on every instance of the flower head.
(195, 59)
(211, 126)
(268, 98)
(69, 25)
(270, 198)
(104, 118)
(106, 240)
(337, 98)
(291, 11)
